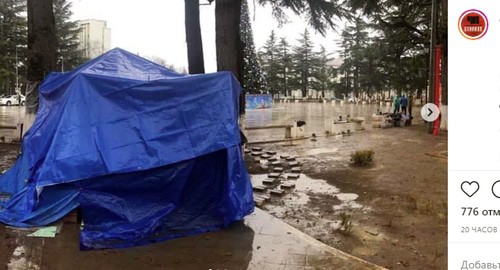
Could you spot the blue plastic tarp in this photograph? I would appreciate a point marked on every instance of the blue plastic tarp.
(148, 154)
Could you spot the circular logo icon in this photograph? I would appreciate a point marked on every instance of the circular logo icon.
(473, 24)
(430, 112)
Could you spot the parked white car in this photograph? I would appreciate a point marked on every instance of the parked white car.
(13, 100)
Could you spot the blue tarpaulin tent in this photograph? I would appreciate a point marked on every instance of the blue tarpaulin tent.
(147, 153)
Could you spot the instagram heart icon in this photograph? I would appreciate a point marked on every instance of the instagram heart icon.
(470, 188)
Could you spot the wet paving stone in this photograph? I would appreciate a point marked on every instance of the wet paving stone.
(287, 185)
(272, 153)
(265, 197)
(293, 176)
(260, 188)
(258, 201)
(277, 192)
(293, 164)
(276, 163)
(278, 169)
(265, 156)
(273, 175)
(270, 181)
(257, 149)
(272, 159)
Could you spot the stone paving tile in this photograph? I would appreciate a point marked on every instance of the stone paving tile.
(272, 266)
(294, 267)
(296, 259)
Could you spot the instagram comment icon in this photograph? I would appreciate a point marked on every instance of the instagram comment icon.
(495, 189)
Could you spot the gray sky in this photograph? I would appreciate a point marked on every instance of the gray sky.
(156, 27)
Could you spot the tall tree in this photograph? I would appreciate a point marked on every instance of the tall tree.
(269, 58)
(193, 37)
(284, 66)
(304, 63)
(253, 77)
(12, 44)
(42, 40)
(42, 44)
(228, 42)
(393, 55)
(68, 53)
(322, 73)
(354, 43)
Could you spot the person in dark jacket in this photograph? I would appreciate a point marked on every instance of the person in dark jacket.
(404, 104)
(410, 104)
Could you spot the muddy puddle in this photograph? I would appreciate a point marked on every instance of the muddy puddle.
(28, 252)
(318, 208)
(309, 194)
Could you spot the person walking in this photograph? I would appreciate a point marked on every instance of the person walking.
(396, 104)
(404, 104)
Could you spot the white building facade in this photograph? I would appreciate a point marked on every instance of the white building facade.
(95, 37)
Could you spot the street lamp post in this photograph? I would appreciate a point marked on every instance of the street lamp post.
(17, 90)
(62, 63)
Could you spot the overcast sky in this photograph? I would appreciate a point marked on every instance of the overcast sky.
(156, 27)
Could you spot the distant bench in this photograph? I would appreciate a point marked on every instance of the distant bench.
(340, 127)
(291, 131)
(8, 127)
(268, 127)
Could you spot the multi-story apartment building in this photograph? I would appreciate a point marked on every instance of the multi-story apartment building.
(95, 37)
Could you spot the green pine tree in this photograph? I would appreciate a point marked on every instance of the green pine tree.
(304, 63)
(284, 66)
(69, 55)
(354, 43)
(269, 58)
(13, 40)
(253, 75)
(322, 73)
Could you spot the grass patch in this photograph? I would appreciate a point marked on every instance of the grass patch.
(345, 224)
(362, 157)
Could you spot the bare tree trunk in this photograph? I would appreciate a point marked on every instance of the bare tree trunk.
(444, 73)
(41, 51)
(228, 42)
(304, 84)
(193, 37)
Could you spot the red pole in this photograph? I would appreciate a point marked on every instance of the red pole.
(437, 87)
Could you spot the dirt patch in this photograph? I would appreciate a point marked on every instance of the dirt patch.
(8, 155)
(392, 213)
